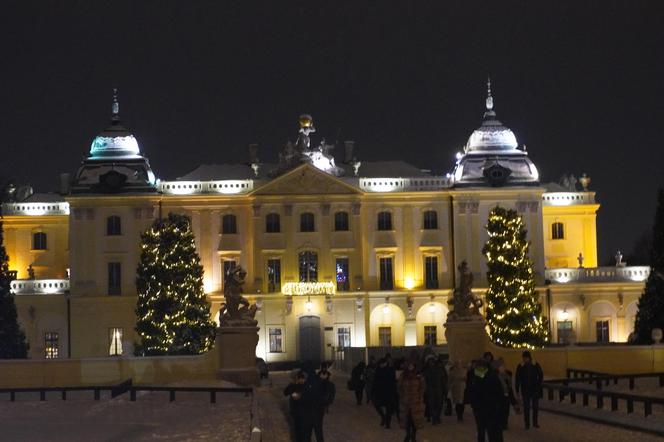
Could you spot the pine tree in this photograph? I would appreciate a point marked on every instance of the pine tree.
(12, 339)
(513, 311)
(651, 302)
(173, 316)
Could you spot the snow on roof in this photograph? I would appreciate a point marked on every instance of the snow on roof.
(388, 169)
(44, 198)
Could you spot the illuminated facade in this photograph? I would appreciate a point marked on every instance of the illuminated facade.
(343, 253)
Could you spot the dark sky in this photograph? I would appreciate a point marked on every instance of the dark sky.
(580, 83)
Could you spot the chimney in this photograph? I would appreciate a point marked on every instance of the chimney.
(253, 153)
(348, 153)
(64, 183)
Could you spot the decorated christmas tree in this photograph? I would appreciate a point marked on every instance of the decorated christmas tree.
(173, 316)
(513, 311)
(651, 302)
(12, 338)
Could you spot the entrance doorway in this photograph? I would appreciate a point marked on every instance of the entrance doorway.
(310, 340)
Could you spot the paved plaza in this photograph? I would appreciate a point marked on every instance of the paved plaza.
(348, 422)
(192, 418)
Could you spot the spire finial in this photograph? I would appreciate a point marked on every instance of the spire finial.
(116, 106)
(489, 98)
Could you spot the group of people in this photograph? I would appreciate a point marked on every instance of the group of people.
(420, 389)
(310, 393)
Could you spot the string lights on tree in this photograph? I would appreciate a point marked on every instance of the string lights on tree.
(513, 311)
(173, 316)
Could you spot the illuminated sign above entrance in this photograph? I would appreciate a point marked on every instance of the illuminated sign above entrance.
(309, 288)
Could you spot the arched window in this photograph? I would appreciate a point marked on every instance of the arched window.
(307, 222)
(113, 225)
(430, 220)
(557, 231)
(384, 221)
(308, 265)
(39, 241)
(272, 223)
(341, 221)
(229, 224)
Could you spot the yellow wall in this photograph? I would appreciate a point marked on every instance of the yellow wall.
(50, 263)
(580, 230)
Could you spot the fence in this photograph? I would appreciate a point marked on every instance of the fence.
(127, 386)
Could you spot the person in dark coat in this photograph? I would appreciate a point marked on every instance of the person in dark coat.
(485, 394)
(435, 393)
(325, 394)
(369, 374)
(357, 381)
(302, 399)
(528, 381)
(385, 392)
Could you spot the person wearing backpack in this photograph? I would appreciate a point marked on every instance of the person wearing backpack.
(325, 397)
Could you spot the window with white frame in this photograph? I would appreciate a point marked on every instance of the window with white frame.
(115, 339)
(343, 336)
(602, 330)
(308, 266)
(51, 345)
(430, 335)
(276, 335)
(385, 336)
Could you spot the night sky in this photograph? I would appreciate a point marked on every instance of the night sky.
(580, 83)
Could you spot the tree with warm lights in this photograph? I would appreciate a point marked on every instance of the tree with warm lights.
(173, 316)
(513, 311)
(12, 339)
(651, 302)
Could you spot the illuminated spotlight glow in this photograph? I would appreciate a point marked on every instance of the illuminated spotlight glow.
(309, 288)
(409, 283)
(308, 305)
(432, 308)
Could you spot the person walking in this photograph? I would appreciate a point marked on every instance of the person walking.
(509, 400)
(528, 382)
(369, 375)
(411, 391)
(356, 382)
(385, 392)
(301, 398)
(457, 386)
(326, 392)
(485, 394)
(435, 378)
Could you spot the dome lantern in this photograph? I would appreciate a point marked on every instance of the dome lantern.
(115, 141)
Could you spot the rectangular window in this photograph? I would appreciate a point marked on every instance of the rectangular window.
(384, 221)
(51, 345)
(343, 337)
(276, 339)
(308, 266)
(430, 335)
(431, 272)
(342, 275)
(39, 241)
(557, 231)
(113, 225)
(385, 336)
(564, 331)
(229, 265)
(272, 223)
(307, 223)
(114, 278)
(341, 221)
(386, 274)
(602, 330)
(430, 220)
(115, 340)
(273, 275)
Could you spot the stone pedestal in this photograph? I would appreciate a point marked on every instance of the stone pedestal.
(466, 340)
(236, 350)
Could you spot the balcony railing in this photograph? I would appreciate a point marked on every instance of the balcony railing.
(35, 209)
(39, 286)
(598, 274)
(227, 187)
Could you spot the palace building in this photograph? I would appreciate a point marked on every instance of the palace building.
(338, 252)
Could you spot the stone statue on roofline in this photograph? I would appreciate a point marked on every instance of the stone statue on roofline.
(466, 305)
(236, 311)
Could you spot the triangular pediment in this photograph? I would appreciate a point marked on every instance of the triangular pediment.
(306, 180)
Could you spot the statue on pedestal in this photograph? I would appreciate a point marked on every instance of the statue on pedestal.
(236, 311)
(466, 304)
